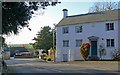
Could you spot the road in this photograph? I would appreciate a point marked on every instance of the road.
(29, 65)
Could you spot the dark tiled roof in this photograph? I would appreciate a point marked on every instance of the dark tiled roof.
(90, 17)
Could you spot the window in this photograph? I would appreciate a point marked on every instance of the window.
(65, 30)
(110, 42)
(78, 42)
(78, 29)
(65, 43)
(109, 26)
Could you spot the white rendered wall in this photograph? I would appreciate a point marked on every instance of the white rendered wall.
(89, 29)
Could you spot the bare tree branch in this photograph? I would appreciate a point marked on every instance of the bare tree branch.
(103, 6)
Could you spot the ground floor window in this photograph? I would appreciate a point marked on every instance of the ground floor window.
(78, 42)
(110, 42)
(65, 43)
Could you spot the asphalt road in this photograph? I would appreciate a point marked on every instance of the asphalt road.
(31, 66)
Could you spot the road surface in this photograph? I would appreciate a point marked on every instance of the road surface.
(29, 65)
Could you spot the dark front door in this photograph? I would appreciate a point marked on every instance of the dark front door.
(93, 48)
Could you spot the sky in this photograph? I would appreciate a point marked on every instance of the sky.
(51, 15)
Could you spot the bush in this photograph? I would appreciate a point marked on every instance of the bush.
(44, 56)
(84, 50)
(48, 58)
(102, 51)
(116, 55)
(43, 51)
(36, 52)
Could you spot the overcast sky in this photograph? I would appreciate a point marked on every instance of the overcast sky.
(51, 15)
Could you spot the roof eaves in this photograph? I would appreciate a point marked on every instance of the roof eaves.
(85, 22)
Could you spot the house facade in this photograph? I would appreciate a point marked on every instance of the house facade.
(97, 29)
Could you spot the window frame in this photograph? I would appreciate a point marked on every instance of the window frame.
(65, 30)
(110, 42)
(110, 26)
(78, 29)
(78, 42)
(65, 43)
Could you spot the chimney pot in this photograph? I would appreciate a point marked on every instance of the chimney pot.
(65, 13)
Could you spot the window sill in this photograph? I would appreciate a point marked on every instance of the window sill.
(66, 47)
(109, 30)
(110, 47)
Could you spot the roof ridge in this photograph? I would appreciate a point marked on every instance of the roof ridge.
(91, 13)
(85, 14)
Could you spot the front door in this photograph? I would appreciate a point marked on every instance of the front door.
(93, 48)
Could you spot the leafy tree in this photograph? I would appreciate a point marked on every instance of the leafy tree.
(103, 6)
(2, 42)
(84, 50)
(44, 39)
(15, 15)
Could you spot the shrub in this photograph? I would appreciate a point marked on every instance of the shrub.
(48, 58)
(37, 52)
(44, 56)
(84, 50)
(116, 55)
(43, 51)
(102, 51)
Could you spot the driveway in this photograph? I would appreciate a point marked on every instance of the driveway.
(29, 65)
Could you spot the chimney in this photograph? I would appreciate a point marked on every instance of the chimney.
(65, 13)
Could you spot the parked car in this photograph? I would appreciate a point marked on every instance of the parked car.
(17, 53)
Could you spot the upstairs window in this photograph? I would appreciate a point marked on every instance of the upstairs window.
(65, 43)
(78, 42)
(78, 29)
(65, 30)
(109, 26)
(110, 43)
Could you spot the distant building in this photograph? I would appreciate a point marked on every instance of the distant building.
(100, 28)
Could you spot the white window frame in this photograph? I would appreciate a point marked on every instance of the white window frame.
(65, 43)
(110, 42)
(78, 29)
(78, 42)
(65, 30)
(109, 26)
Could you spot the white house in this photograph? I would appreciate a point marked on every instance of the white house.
(100, 28)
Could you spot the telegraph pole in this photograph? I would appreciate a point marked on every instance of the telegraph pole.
(54, 40)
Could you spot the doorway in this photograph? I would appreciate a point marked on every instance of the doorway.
(93, 48)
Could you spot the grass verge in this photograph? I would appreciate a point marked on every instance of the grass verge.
(10, 71)
(37, 59)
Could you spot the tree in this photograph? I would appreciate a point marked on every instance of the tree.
(44, 39)
(15, 15)
(103, 6)
(84, 50)
(2, 42)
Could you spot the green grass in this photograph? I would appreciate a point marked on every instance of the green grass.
(10, 71)
(37, 59)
